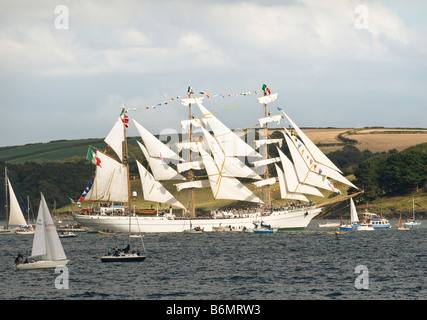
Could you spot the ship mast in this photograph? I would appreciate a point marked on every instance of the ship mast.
(266, 175)
(192, 190)
(125, 158)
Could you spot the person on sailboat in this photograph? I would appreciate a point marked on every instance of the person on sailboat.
(126, 250)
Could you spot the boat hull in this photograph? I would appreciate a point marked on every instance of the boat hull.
(281, 220)
(123, 258)
(44, 264)
(411, 224)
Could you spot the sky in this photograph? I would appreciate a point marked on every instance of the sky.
(66, 71)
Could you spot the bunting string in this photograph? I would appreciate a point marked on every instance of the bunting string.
(206, 94)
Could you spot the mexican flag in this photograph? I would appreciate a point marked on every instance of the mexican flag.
(71, 201)
(91, 156)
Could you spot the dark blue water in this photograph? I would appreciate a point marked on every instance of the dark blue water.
(306, 265)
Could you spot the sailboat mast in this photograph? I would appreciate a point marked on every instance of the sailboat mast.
(6, 197)
(125, 158)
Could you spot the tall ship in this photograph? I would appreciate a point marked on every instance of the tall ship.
(211, 160)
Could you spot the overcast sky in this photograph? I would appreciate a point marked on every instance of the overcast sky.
(333, 65)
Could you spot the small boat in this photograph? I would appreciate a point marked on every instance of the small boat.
(400, 225)
(125, 255)
(67, 234)
(329, 224)
(47, 249)
(194, 230)
(365, 227)
(106, 232)
(263, 228)
(25, 230)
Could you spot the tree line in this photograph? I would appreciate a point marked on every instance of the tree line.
(377, 174)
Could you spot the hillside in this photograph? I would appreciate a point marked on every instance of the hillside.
(328, 139)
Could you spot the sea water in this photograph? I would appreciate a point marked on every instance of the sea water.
(384, 264)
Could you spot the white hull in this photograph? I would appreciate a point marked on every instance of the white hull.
(41, 264)
(282, 220)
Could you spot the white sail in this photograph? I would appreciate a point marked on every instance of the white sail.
(268, 99)
(185, 166)
(314, 166)
(225, 187)
(16, 218)
(192, 184)
(291, 179)
(353, 213)
(116, 137)
(46, 241)
(318, 155)
(284, 192)
(259, 143)
(111, 181)
(275, 118)
(230, 166)
(231, 144)
(155, 147)
(161, 171)
(153, 190)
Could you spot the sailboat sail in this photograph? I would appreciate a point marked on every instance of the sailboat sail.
(153, 190)
(353, 213)
(46, 241)
(111, 180)
(161, 171)
(154, 146)
(116, 137)
(231, 144)
(231, 166)
(224, 187)
(16, 218)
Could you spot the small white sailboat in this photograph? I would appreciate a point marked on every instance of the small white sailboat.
(354, 219)
(47, 250)
(412, 223)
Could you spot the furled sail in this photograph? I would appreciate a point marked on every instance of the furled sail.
(16, 218)
(225, 187)
(161, 171)
(275, 118)
(46, 241)
(155, 147)
(267, 99)
(231, 144)
(192, 184)
(185, 166)
(262, 142)
(111, 181)
(154, 190)
(265, 162)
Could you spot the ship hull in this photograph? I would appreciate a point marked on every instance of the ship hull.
(282, 220)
